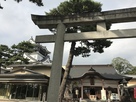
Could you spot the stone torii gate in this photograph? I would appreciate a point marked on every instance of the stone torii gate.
(98, 18)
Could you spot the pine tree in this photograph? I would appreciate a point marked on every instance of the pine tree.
(79, 7)
(5, 54)
(37, 2)
(19, 50)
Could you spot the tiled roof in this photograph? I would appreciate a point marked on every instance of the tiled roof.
(103, 71)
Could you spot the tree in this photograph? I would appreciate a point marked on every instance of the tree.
(4, 55)
(19, 50)
(15, 53)
(131, 72)
(37, 2)
(79, 7)
(122, 66)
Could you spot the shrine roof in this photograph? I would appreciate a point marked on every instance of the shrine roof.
(32, 65)
(103, 71)
(24, 75)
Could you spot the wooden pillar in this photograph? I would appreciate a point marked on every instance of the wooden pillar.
(118, 89)
(16, 91)
(103, 92)
(33, 91)
(10, 86)
(40, 92)
(102, 84)
(55, 77)
(26, 91)
(82, 90)
(7, 90)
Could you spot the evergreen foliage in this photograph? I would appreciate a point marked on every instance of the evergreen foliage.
(15, 53)
(132, 71)
(18, 51)
(37, 2)
(5, 54)
(80, 7)
(122, 66)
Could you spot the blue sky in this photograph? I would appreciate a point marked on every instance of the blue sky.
(17, 26)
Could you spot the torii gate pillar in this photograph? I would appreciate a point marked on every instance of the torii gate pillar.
(55, 77)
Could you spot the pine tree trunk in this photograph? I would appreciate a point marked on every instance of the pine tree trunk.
(66, 73)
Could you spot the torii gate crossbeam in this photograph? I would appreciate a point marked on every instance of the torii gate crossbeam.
(99, 18)
(113, 34)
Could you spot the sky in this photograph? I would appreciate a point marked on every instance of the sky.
(17, 26)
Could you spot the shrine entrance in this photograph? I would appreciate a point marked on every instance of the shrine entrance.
(60, 23)
(92, 92)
